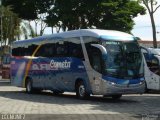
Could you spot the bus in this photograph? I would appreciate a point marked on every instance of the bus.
(85, 61)
(152, 68)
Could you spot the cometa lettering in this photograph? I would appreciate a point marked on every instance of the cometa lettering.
(52, 66)
(63, 65)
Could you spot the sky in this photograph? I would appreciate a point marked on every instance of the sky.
(142, 27)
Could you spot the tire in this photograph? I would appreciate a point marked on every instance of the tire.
(56, 92)
(146, 89)
(29, 87)
(81, 90)
(116, 97)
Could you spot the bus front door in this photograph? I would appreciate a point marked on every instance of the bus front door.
(154, 74)
(152, 70)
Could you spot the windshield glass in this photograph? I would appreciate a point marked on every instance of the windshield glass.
(123, 59)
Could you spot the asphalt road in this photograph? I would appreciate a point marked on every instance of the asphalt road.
(15, 103)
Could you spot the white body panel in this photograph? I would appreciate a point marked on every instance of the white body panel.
(152, 79)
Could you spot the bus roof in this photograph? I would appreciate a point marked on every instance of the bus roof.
(106, 34)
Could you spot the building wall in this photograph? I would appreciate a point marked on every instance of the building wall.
(146, 43)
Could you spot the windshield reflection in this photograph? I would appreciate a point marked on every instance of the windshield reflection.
(123, 59)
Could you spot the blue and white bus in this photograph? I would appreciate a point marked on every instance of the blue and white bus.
(89, 61)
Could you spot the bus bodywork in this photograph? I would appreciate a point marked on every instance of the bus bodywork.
(152, 68)
(98, 62)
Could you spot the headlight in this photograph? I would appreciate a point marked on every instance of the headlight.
(142, 82)
(111, 83)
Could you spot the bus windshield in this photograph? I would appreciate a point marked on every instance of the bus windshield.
(123, 59)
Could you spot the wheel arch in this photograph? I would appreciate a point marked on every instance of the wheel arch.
(85, 83)
(26, 80)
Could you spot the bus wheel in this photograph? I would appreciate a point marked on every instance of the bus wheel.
(56, 92)
(146, 88)
(116, 97)
(29, 88)
(81, 90)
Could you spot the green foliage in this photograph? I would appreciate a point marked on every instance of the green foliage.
(24, 8)
(75, 14)
(29, 9)
(10, 24)
(104, 14)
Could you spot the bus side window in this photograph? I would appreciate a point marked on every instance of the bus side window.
(14, 52)
(95, 58)
(19, 51)
(75, 48)
(30, 50)
(46, 50)
(60, 50)
(94, 54)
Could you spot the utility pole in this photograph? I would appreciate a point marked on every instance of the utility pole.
(1, 40)
(1, 23)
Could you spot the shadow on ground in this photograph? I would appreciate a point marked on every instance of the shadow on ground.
(5, 83)
(135, 105)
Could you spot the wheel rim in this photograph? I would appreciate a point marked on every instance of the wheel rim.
(81, 90)
(29, 86)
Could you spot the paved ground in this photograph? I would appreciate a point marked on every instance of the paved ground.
(14, 101)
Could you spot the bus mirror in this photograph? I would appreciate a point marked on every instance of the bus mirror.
(146, 52)
(102, 48)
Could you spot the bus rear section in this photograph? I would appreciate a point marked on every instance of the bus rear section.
(57, 65)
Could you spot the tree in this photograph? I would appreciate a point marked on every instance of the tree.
(104, 14)
(76, 14)
(26, 30)
(10, 25)
(149, 4)
(13, 27)
(24, 8)
(31, 10)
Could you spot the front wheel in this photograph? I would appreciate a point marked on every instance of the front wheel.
(81, 90)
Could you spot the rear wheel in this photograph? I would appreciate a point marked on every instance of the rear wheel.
(81, 90)
(29, 87)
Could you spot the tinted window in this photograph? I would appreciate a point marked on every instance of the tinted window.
(94, 54)
(95, 58)
(70, 47)
(74, 48)
(46, 50)
(24, 51)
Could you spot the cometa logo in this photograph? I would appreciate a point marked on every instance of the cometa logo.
(63, 65)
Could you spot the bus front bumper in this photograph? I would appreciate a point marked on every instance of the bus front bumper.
(112, 89)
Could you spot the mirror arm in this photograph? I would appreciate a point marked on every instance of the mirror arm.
(102, 48)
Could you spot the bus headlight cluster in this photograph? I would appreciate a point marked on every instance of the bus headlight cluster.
(142, 82)
(111, 83)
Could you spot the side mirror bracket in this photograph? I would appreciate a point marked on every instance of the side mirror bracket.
(102, 48)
